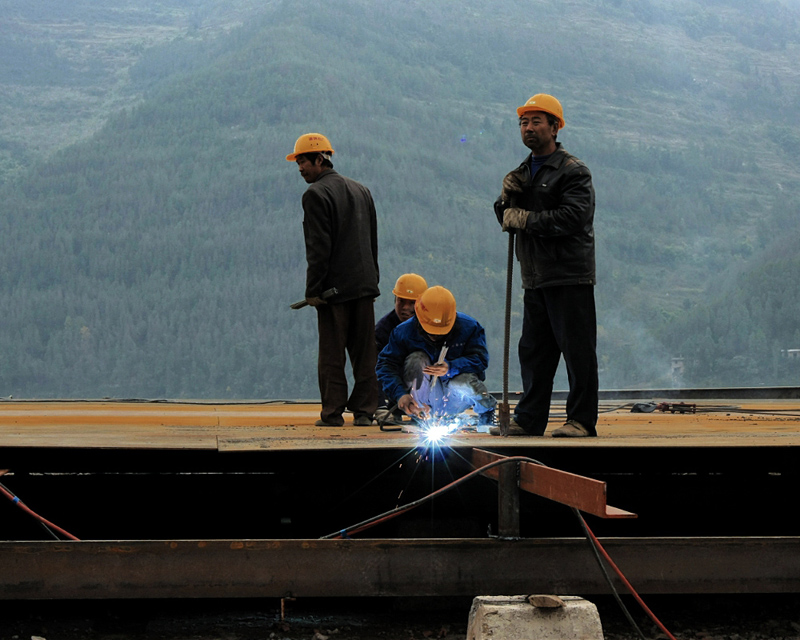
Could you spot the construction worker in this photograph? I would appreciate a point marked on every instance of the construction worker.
(433, 365)
(341, 237)
(548, 202)
(406, 290)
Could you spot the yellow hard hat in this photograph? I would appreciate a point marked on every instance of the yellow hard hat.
(546, 103)
(409, 286)
(310, 143)
(436, 310)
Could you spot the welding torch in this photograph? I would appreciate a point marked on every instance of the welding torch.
(304, 302)
(442, 354)
(407, 407)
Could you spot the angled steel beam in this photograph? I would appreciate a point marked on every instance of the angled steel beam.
(583, 493)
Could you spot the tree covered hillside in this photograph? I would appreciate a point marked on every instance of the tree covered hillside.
(65, 64)
(159, 257)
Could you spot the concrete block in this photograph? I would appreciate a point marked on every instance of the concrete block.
(515, 618)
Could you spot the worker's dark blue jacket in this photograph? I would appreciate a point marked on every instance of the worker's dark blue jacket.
(466, 352)
(384, 328)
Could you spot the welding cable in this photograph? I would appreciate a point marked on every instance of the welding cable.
(593, 541)
(788, 413)
(604, 571)
(226, 403)
(600, 550)
(382, 421)
(15, 500)
(393, 513)
(47, 524)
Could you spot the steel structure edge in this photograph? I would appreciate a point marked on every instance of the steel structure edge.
(397, 567)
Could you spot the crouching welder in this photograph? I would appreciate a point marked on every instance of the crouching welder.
(434, 364)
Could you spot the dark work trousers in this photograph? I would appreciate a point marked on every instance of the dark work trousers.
(347, 328)
(557, 321)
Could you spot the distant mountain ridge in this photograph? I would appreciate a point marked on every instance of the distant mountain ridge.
(158, 257)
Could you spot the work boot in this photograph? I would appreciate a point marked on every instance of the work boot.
(362, 420)
(325, 423)
(571, 429)
(513, 429)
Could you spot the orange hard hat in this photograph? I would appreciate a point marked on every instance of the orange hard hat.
(310, 143)
(409, 286)
(436, 310)
(546, 103)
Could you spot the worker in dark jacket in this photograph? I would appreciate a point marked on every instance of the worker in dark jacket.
(408, 288)
(434, 364)
(548, 202)
(341, 237)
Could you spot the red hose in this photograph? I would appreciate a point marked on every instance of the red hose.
(627, 584)
(35, 515)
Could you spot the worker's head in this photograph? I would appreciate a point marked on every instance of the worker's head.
(407, 290)
(436, 311)
(540, 119)
(312, 153)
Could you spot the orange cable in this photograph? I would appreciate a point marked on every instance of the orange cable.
(35, 515)
(627, 584)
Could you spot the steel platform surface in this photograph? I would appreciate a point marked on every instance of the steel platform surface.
(281, 426)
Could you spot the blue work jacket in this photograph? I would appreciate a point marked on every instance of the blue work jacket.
(466, 352)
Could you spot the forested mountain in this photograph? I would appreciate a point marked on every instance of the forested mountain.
(64, 65)
(158, 257)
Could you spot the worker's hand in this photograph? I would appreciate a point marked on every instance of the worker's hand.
(409, 406)
(512, 184)
(315, 301)
(514, 218)
(436, 369)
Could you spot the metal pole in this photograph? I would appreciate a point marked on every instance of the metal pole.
(504, 412)
(508, 501)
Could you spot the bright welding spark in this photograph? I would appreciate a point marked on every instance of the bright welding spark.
(436, 434)
(435, 430)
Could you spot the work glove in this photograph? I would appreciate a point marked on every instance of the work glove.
(315, 301)
(515, 218)
(500, 206)
(512, 184)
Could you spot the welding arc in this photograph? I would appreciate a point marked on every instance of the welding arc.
(47, 524)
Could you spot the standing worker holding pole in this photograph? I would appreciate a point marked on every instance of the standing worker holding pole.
(548, 202)
(341, 237)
